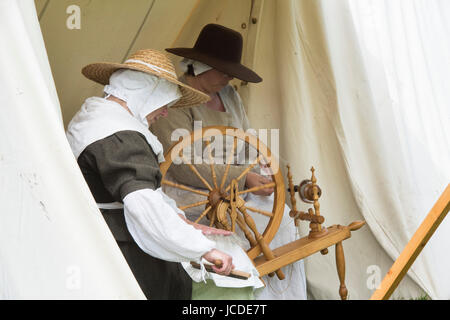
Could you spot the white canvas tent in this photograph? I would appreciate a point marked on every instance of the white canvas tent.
(354, 92)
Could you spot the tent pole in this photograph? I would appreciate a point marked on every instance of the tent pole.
(414, 247)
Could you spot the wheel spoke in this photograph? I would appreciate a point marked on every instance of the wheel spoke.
(230, 157)
(203, 214)
(213, 218)
(263, 186)
(193, 205)
(250, 167)
(213, 172)
(266, 213)
(194, 169)
(183, 187)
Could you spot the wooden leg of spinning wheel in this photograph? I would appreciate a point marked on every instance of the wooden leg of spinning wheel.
(340, 264)
(269, 256)
(264, 247)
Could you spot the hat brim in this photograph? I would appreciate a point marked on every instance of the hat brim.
(100, 72)
(236, 70)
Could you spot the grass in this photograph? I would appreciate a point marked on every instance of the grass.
(422, 297)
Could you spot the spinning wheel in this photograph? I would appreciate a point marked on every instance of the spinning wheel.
(224, 205)
(226, 208)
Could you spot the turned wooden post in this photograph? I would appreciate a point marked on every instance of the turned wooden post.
(340, 264)
(293, 212)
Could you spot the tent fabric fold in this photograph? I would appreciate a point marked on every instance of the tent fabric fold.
(54, 241)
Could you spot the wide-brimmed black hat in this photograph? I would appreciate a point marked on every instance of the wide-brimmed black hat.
(221, 48)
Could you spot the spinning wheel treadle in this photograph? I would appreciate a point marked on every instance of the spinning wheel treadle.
(225, 207)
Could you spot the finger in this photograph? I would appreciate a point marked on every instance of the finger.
(264, 192)
(227, 269)
(221, 270)
(219, 232)
(231, 267)
(265, 180)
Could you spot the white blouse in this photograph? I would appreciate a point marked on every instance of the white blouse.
(153, 220)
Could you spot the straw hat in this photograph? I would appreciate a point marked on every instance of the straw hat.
(221, 48)
(151, 62)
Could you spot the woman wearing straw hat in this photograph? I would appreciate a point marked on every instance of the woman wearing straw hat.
(209, 66)
(119, 158)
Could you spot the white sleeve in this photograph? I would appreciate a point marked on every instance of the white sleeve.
(155, 225)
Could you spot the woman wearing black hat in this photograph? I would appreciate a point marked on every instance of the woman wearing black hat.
(209, 66)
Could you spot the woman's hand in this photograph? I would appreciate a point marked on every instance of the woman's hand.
(215, 256)
(254, 180)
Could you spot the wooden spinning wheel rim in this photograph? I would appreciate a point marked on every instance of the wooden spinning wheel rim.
(277, 178)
